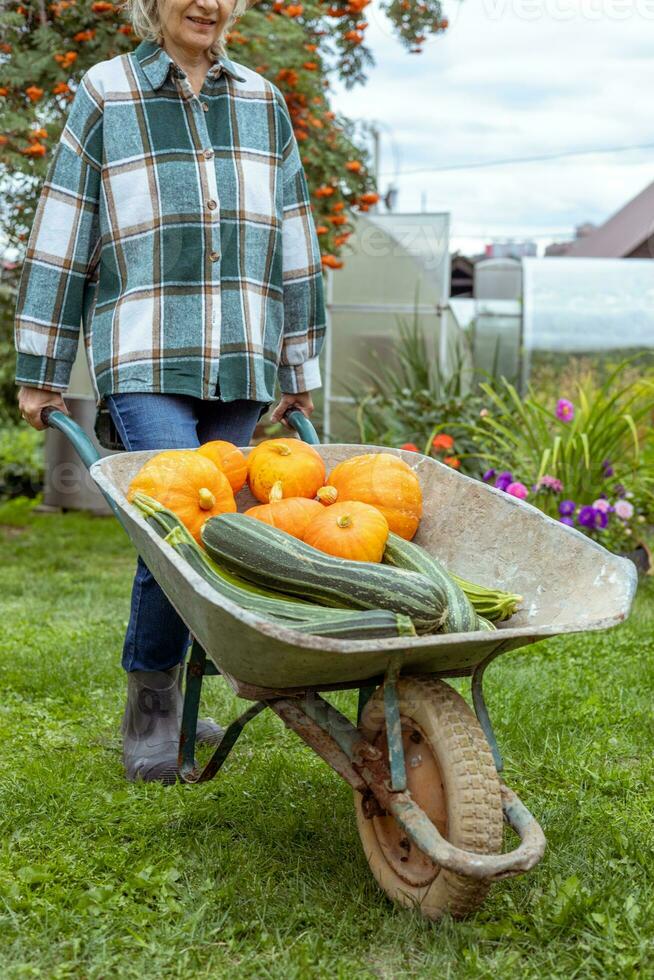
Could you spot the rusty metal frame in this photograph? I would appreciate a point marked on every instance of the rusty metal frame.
(333, 737)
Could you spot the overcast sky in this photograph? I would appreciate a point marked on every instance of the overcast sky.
(515, 78)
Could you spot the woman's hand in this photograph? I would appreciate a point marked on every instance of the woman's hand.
(302, 401)
(32, 401)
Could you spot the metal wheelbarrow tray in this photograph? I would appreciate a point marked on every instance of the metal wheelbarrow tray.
(424, 770)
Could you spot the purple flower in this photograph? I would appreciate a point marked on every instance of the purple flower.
(568, 521)
(518, 490)
(592, 518)
(567, 508)
(503, 480)
(606, 466)
(586, 516)
(620, 491)
(565, 410)
(488, 476)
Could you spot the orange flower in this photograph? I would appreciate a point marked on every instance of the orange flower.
(353, 36)
(324, 190)
(322, 230)
(84, 35)
(442, 441)
(34, 93)
(452, 461)
(294, 10)
(38, 134)
(35, 150)
(60, 88)
(125, 29)
(354, 165)
(311, 47)
(6, 48)
(3, 140)
(338, 206)
(356, 6)
(341, 239)
(4, 91)
(310, 65)
(370, 198)
(101, 7)
(338, 219)
(331, 262)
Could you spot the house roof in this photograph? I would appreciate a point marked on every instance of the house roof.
(622, 233)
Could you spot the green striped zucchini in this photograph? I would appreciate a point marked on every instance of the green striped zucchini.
(163, 521)
(485, 624)
(303, 617)
(364, 624)
(271, 558)
(461, 616)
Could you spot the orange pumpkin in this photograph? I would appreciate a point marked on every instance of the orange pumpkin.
(228, 458)
(349, 530)
(384, 481)
(292, 514)
(294, 464)
(188, 484)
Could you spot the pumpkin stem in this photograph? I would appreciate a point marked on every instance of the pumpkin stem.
(283, 449)
(276, 492)
(327, 495)
(206, 499)
(344, 520)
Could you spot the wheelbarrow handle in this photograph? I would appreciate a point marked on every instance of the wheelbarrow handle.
(298, 421)
(75, 434)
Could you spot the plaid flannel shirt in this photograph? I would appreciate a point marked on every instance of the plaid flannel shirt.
(176, 229)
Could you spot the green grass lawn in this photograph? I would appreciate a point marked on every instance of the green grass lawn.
(260, 873)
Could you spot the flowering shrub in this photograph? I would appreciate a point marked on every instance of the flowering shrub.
(584, 462)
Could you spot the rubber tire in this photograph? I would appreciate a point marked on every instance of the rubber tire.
(471, 789)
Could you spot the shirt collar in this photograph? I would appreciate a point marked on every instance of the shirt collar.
(156, 63)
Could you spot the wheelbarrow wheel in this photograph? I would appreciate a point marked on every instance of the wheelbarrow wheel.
(452, 777)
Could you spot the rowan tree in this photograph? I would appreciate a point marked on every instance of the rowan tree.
(45, 48)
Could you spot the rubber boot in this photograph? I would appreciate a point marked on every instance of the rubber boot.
(207, 732)
(151, 726)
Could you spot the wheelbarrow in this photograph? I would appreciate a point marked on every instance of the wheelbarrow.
(425, 769)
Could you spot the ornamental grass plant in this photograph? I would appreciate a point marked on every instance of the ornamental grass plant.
(399, 399)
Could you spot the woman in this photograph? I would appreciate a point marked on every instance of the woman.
(175, 225)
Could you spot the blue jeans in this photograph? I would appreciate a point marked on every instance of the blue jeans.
(156, 637)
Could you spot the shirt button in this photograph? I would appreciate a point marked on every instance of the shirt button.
(212, 205)
(214, 256)
(205, 107)
(208, 154)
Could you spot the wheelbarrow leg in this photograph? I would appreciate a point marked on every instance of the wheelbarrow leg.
(197, 668)
(481, 710)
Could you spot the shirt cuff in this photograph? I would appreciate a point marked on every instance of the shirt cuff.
(294, 378)
(40, 371)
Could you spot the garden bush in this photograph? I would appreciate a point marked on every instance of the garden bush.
(21, 461)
